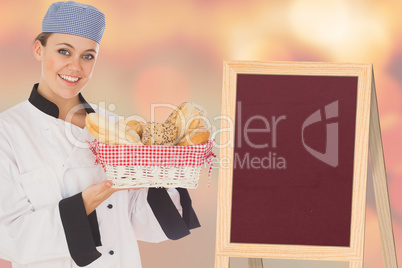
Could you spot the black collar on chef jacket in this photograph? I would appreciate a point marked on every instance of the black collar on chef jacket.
(49, 107)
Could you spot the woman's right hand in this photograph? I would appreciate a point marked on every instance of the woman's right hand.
(95, 194)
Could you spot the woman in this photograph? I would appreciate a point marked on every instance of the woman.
(56, 207)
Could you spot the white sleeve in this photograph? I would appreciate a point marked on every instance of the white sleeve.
(27, 235)
(144, 222)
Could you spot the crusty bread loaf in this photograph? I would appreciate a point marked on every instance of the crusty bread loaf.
(195, 136)
(186, 116)
(106, 132)
(159, 134)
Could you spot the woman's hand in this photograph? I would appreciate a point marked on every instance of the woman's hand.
(95, 194)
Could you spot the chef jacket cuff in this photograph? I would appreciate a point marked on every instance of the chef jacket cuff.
(172, 223)
(82, 231)
(189, 216)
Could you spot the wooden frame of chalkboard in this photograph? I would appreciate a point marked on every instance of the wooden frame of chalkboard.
(232, 238)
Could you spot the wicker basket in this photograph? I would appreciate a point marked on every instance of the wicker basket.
(129, 166)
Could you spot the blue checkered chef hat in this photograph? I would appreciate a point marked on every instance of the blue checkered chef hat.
(74, 18)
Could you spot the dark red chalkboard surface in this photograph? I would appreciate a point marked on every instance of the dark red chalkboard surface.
(293, 159)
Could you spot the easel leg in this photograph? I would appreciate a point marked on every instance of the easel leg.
(356, 264)
(255, 263)
(380, 185)
(221, 262)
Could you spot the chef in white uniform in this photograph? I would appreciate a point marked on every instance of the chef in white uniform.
(57, 209)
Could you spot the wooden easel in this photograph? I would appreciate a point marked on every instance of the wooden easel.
(354, 254)
(255, 263)
(380, 184)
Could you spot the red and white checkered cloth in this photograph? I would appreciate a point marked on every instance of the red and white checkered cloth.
(155, 155)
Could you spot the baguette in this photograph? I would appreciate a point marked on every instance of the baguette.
(104, 131)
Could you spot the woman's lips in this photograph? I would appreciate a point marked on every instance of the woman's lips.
(71, 79)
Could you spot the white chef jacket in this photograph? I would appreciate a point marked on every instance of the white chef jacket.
(44, 166)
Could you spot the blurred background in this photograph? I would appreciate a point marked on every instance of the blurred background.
(159, 51)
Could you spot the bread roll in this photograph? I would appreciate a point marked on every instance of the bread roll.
(106, 132)
(195, 136)
(135, 123)
(159, 134)
(186, 116)
(128, 134)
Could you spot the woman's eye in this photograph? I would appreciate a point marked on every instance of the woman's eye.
(88, 57)
(64, 52)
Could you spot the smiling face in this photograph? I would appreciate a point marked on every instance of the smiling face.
(67, 65)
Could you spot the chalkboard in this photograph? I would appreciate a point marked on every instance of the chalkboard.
(297, 140)
(293, 159)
